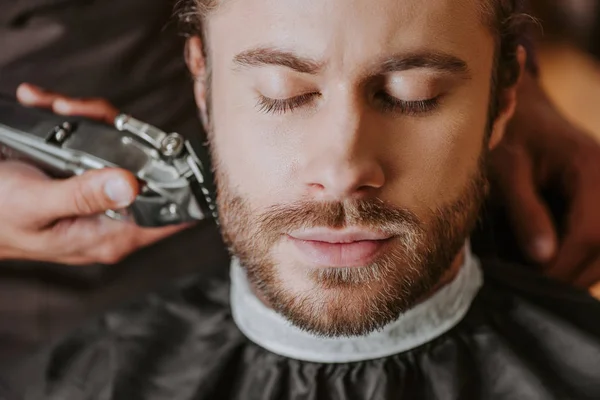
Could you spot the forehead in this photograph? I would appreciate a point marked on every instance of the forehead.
(346, 29)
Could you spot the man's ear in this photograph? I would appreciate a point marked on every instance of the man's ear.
(508, 103)
(194, 58)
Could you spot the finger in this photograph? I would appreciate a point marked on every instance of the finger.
(76, 261)
(571, 256)
(10, 253)
(581, 236)
(75, 238)
(147, 237)
(125, 239)
(33, 96)
(590, 274)
(528, 214)
(103, 240)
(97, 109)
(595, 291)
(91, 193)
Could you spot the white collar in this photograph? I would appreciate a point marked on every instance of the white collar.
(421, 324)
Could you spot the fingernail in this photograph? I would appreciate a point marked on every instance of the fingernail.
(595, 291)
(26, 95)
(119, 191)
(62, 106)
(543, 249)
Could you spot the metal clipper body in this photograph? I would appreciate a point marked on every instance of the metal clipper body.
(171, 174)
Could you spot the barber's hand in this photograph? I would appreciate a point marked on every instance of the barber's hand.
(541, 149)
(61, 220)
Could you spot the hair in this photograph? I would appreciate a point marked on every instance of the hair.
(505, 19)
(508, 24)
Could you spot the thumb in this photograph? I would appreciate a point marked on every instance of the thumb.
(93, 192)
(534, 228)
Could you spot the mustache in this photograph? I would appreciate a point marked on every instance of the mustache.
(372, 214)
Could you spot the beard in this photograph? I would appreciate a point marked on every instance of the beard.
(352, 301)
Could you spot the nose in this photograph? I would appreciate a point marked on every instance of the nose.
(342, 161)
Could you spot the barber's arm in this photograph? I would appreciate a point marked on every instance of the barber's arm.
(61, 220)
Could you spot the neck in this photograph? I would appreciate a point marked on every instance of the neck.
(450, 274)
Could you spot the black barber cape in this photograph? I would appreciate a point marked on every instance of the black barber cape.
(495, 332)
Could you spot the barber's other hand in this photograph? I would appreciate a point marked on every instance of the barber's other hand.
(542, 149)
(61, 220)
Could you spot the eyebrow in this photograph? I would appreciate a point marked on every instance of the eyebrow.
(427, 59)
(264, 56)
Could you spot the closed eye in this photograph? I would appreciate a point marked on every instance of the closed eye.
(281, 106)
(405, 107)
(385, 101)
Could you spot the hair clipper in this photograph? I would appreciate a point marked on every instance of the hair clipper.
(172, 177)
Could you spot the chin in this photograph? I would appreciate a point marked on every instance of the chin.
(343, 302)
(341, 311)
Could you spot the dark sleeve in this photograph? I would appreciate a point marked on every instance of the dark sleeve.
(129, 53)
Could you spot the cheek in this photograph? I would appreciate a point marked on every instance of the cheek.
(437, 156)
(258, 157)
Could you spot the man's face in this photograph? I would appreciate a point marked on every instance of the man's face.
(348, 140)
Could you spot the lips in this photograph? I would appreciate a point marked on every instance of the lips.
(333, 248)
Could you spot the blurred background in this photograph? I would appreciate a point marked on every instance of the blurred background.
(568, 43)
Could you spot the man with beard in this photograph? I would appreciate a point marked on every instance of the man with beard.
(349, 143)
